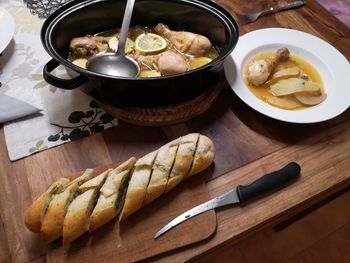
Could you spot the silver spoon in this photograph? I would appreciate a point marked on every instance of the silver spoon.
(117, 64)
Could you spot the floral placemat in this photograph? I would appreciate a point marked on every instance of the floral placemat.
(66, 115)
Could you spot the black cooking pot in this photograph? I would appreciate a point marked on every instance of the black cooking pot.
(78, 18)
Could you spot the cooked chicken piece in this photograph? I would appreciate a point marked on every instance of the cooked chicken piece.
(88, 45)
(260, 70)
(169, 62)
(186, 42)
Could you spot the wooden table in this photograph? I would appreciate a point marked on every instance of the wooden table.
(248, 145)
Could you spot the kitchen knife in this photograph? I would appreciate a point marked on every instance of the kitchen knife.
(239, 194)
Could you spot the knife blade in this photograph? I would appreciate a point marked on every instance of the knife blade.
(239, 194)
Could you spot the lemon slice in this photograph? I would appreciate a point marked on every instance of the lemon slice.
(80, 62)
(199, 62)
(149, 74)
(113, 44)
(149, 43)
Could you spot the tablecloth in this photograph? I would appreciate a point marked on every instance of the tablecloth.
(66, 115)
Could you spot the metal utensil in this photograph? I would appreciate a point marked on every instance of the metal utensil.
(239, 194)
(253, 17)
(117, 64)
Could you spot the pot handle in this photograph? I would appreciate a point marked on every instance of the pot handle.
(67, 84)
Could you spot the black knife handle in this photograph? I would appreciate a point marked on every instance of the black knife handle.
(268, 182)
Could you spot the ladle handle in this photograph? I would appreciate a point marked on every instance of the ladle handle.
(125, 26)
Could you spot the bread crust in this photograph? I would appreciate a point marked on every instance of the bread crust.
(96, 182)
(76, 221)
(204, 155)
(137, 188)
(103, 212)
(108, 203)
(35, 212)
(183, 160)
(161, 171)
(52, 223)
(112, 194)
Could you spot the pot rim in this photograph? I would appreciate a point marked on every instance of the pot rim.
(70, 7)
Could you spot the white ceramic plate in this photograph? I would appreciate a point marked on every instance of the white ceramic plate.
(7, 29)
(330, 63)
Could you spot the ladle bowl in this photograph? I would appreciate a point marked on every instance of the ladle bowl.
(117, 64)
(114, 65)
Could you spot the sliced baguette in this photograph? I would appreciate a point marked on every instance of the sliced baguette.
(183, 160)
(137, 188)
(52, 223)
(150, 176)
(161, 170)
(194, 154)
(204, 155)
(36, 211)
(76, 221)
(112, 194)
(96, 182)
(128, 165)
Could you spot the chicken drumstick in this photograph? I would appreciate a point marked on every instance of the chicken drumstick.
(260, 70)
(167, 63)
(185, 42)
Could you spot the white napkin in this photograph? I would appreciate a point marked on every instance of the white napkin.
(12, 109)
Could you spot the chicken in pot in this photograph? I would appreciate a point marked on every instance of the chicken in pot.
(159, 51)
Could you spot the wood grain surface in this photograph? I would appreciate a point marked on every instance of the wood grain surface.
(133, 239)
(248, 144)
(320, 177)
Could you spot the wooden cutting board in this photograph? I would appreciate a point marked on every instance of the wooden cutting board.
(133, 240)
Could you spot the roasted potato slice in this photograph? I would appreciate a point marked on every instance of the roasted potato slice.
(311, 99)
(295, 85)
(287, 102)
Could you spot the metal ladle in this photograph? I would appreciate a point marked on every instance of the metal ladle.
(117, 64)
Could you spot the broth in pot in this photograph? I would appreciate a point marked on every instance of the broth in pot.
(158, 50)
